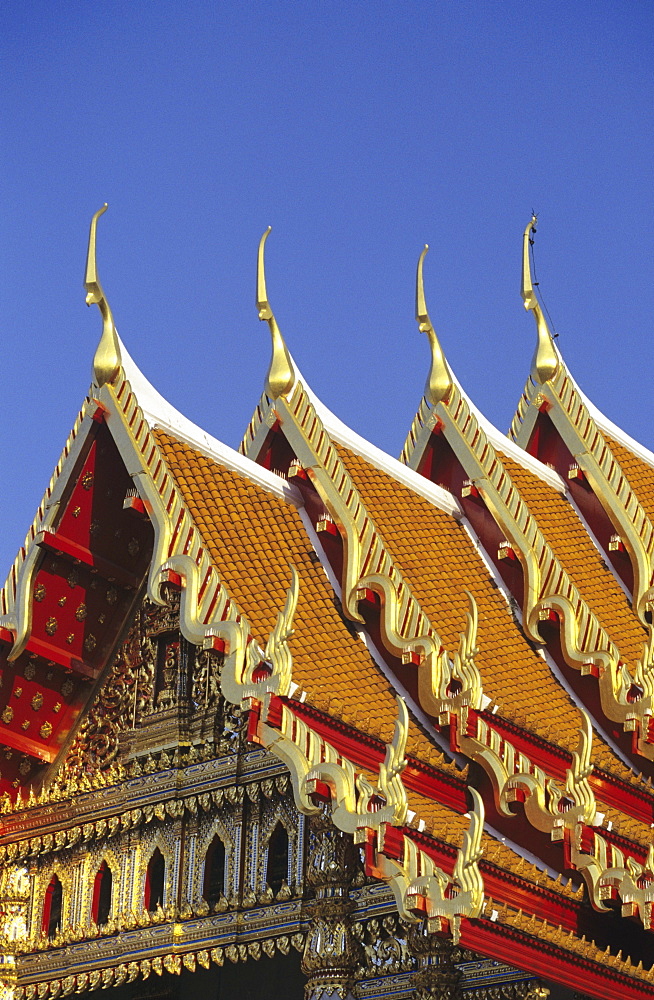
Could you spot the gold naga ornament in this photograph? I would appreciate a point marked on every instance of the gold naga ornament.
(546, 359)
(439, 380)
(281, 375)
(107, 360)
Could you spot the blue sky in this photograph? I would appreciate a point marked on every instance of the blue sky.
(359, 131)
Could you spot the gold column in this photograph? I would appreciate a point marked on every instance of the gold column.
(331, 950)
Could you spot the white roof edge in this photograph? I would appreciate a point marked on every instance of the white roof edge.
(160, 413)
(439, 496)
(512, 450)
(616, 432)
(344, 435)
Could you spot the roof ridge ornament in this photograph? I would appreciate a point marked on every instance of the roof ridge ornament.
(439, 381)
(546, 360)
(107, 359)
(281, 374)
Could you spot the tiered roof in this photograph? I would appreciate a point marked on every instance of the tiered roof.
(470, 581)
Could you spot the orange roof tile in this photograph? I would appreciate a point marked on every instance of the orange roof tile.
(440, 561)
(253, 537)
(582, 561)
(639, 473)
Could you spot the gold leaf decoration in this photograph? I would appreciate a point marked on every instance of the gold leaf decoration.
(7, 714)
(51, 626)
(46, 730)
(37, 701)
(39, 592)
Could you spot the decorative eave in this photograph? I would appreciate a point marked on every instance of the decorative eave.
(548, 592)
(589, 456)
(209, 618)
(306, 454)
(425, 877)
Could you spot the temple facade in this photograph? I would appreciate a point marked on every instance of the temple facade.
(307, 720)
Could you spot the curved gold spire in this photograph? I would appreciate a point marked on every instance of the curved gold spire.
(546, 361)
(439, 380)
(281, 376)
(107, 361)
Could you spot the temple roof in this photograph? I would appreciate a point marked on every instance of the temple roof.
(441, 646)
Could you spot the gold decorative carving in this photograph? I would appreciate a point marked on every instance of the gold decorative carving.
(37, 701)
(281, 374)
(81, 612)
(363, 547)
(547, 587)
(546, 358)
(51, 626)
(596, 462)
(439, 380)
(7, 714)
(39, 592)
(46, 730)
(107, 360)
(421, 887)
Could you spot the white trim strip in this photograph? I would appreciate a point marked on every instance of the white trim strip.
(160, 413)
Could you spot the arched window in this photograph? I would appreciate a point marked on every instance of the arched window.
(214, 871)
(101, 906)
(277, 869)
(52, 903)
(154, 881)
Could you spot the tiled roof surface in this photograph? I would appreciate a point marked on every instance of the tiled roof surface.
(639, 473)
(253, 537)
(440, 562)
(449, 826)
(582, 561)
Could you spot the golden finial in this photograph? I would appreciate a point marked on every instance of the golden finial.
(546, 361)
(281, 375)
(439, 380)
(107, 361)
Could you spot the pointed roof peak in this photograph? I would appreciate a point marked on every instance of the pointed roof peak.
(159, 412)
(439, 380)
(107, 360)
(281, 376)
(546, 359)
